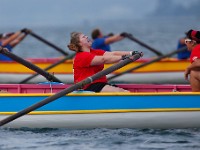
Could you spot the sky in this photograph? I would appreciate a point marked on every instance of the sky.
(18, 12)
(70, 12)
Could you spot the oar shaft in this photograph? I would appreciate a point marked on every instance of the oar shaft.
(29, 65)
(149, 62)
(47, 68)
(48, 43)
(68, 90)
(129, 36)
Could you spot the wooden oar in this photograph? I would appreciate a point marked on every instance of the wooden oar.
(149, 62)
(46, 42)
(69, 90)
(29, 65)
(47, 68)
(131, 37)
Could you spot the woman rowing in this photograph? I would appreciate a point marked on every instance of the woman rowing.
(193, 44)
(88, 62)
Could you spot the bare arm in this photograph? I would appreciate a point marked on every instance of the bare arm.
(109, 57)
(194, 66)
(117, 53)
(18, 39)
(113, 38)
(11, 38)
(99, 60)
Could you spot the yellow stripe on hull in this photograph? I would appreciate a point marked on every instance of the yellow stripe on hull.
(103, 94)
(105, 111)
(66, 68)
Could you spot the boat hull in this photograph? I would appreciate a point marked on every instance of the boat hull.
(166, 71)
(140, 120)
(105, 110)
(138, 78)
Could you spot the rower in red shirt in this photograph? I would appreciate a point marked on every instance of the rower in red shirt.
(88, 62)
(193, 44)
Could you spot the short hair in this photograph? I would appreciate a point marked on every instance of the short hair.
(95, 33)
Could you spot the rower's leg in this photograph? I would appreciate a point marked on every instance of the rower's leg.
(109, 88)
(195, 81)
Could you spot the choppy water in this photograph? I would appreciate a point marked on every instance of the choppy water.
(100, 139)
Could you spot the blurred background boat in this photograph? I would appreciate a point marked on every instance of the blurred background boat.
(169, 70)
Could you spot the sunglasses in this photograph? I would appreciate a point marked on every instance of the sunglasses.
(188, 41)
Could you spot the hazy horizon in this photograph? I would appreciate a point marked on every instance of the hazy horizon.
(23, 13)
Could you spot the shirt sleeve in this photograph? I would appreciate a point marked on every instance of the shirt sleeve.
(195, 54)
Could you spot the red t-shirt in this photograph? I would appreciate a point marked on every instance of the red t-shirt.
(195, 53)
(83, 69)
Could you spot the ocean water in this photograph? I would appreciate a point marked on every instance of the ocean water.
(161, 34)
(100, 139)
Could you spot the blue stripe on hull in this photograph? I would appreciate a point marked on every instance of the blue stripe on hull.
(13, 104)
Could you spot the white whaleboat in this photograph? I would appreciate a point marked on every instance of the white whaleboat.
(147, 106)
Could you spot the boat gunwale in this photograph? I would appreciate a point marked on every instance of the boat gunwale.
(103, 94)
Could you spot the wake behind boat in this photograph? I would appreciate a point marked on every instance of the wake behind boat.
(147, 106)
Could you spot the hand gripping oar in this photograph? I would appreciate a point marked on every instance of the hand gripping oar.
(69, 90)
(131, 37)
(47, 68)
(29, 65)
(149, 62)
(46, 42)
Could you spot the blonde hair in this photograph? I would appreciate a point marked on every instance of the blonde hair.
(74, 44)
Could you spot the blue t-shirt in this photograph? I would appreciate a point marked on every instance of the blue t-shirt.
(99, 43)
(184, 54)
(3, 57)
